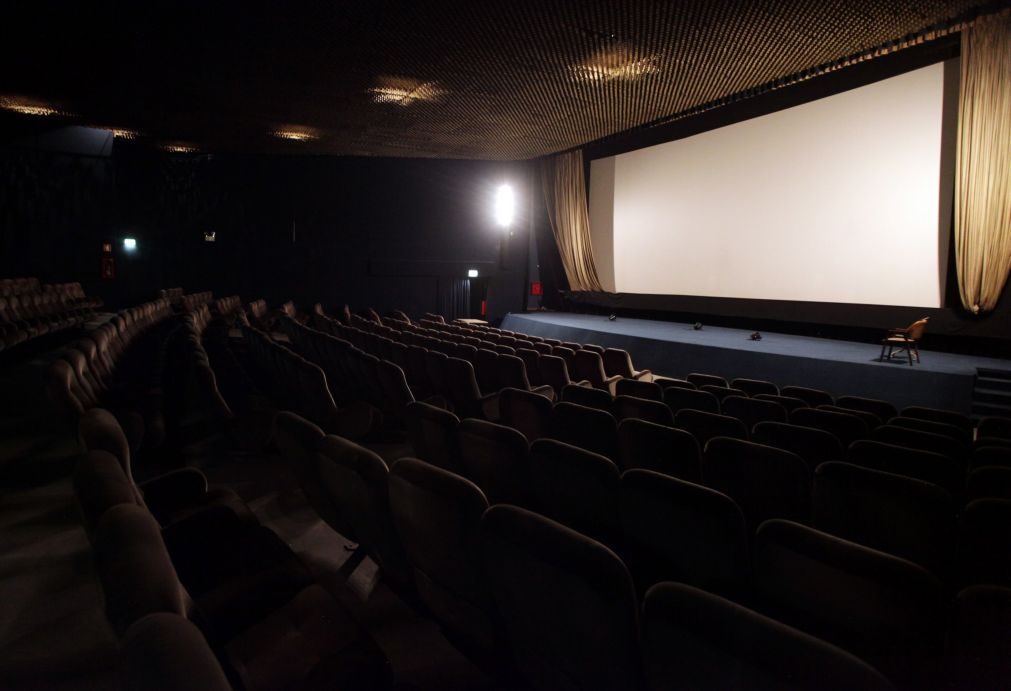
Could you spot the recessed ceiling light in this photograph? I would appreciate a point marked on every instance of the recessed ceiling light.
(296, 133)
(179, 148)
(616, 63)
(403, 92)
(29, 106)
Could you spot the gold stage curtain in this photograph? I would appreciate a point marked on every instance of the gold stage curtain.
(983, 173)
(565, 196)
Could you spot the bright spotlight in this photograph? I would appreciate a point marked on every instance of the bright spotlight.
(505, 205)
(129, 244)
(471, 273)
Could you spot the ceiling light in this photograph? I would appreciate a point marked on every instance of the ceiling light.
(616, 63)
(296, 133)
(505, 205)
(129, 244)
(179, 148)
(120, 133)
(404, 92)
(27, 106)
(471, 273)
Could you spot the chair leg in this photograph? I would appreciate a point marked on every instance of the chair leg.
(881, 358)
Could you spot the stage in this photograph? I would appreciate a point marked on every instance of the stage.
(940, 380)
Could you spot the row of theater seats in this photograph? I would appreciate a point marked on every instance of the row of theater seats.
(522, 572)
(192, 301)
(171, 294)
(200, 594)
(228, 307)
(796, 473)
(28, 312)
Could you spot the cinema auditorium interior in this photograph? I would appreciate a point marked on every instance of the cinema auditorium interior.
(608, 345)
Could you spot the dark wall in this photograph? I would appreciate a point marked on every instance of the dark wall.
(379, 232)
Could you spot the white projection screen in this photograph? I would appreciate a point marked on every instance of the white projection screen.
(846, 199)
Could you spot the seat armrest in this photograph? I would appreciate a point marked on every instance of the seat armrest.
(544, 390)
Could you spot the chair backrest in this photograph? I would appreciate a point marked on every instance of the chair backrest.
(356, 480)
(567, 602)
(883, 409)
(915, 463)
(512, 372)
(766, 482)
(438, 517)
(526, 411)
(704, 426)
(665, 382)
(631, 407)
(588, 365)
(915, 330)
(618, 362)
(993, 426)
(100, 484)
(531, 362)
(692, 639)
(978, 642)
(753, 387)
(909, 518)
(494, 457)
(871, 420)
(678, 399)
(554, 372)
(134, 568)
(98, 430)
(949, 417)
(576, 487)
(700, 380)
(983, 456)
(924, 441)
(396, 392)
(660, 448)
(751, 411)
(587, 396)
(721, 392)
(958, 434)
(167, 652)
(486, 370)
(885, 610)
(813, 397)
(678, 531)
(847, 428)
(988, 482)
(432, 433)
(638, 388)
(464, 392)
(787, 402)
(984, 536)
(587, 428)
(814, 445)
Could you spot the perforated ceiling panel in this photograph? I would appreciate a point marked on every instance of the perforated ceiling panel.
(474, 79)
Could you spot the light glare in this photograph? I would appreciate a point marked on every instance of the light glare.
(471, 273)
(129, 244)
(505, 203)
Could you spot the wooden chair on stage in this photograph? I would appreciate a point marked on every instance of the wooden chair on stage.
(904, 340)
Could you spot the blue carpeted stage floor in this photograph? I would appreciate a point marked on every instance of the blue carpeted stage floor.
(941, 380)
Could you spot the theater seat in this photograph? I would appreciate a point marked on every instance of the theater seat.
(619, 362)
(555, 373)
(813, 397)
(678, 531)
(587, 396)
(979, 648)
(678, 398)
(751, 411)
(630, 407)
(588, 365)
(494, 457)
(927, 466)
(814, 445)
(567, 602)
(525, 411)
(847, 428)
(167, 652)
(432, 433)
(754, 387)
(692, 639)
(639, 388)
(885, 610)
(704, 426)
(587, 428)
(663, 449)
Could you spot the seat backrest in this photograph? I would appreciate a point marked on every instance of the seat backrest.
(871, 420)
(984, 536)
(638, 388)
(486, 370)
(618, 362)
(660, 448)
(692, 639)
(554, 372)
(587, 396)
(494, 457)
(512, 372)
(396, 392)
(915, 330)
(567, 602)
(983, 456)
(356, 480)
(100, 484)
(909, 518)
(464, 392)
(678, 531)
(588, 365)
(631, 407)
(945, 429)
(813, 397)
(678, 399)
(883, 409)
(531, 362)
(525, 411)
(432, 433)
(949, 417)
(766, 482)
(167, 652)
(704, 426)
(787, 402)
(753, 387)
(587, 428)
(847, 428)
(134, 568)
(902, 460)
(988, 482)
(751, 411)
(885, 610)
(699, 379)
(99, 430)
(721, 392)
(438, 517)
(993, 426)
(978, 642)
(575, 487)
(924, 441)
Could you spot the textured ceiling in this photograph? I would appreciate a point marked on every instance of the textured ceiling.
(470, 79)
